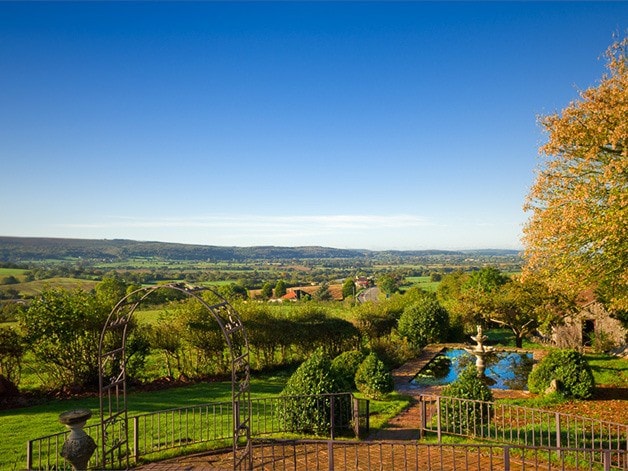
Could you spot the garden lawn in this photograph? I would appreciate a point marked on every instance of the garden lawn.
(382, 411)
(505, 338)
(608, 370)
(17, 426)
(20, 425)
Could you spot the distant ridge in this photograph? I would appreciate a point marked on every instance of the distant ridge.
(16, 249)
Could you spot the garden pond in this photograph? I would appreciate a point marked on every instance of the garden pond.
(504, 370)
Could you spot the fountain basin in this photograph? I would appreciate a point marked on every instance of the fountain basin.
(504, 369)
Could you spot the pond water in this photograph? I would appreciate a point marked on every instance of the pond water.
(504, 370)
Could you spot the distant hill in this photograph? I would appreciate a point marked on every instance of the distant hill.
(22, 249)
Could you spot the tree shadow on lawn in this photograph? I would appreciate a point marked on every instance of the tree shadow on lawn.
(610, 393)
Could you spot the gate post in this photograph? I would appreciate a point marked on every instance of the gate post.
(358, 429)
(332, 412)
(506, 458)
(136, 438)
(557, 420)
(330, 455)
(439, 433)
(355, 412)
(29, 455)
(423, 420)
(607, 460)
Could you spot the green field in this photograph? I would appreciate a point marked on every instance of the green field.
(16, 272)
(33, 288)
(423, 282)
(149, 316)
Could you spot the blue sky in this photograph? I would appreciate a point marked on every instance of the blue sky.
(354, 125)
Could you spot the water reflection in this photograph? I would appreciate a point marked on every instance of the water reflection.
(505, 370)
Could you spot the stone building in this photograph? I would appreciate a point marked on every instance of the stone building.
(591, 326)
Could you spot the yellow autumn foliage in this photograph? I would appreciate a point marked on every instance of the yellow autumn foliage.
(577, 235)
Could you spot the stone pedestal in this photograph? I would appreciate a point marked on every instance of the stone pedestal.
(79, 447)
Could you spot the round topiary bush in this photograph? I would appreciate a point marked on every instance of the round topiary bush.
(303, 410)
(345, 366)
(373, 378)
(424, 322)
(571, 371)
(459, 415)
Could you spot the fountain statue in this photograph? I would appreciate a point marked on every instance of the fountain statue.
(480, 351)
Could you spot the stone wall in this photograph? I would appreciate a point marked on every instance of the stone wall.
(607, 332)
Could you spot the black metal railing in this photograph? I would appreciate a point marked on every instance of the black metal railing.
(304, 455)
(517, 425)
(208, 426)
(525, 435)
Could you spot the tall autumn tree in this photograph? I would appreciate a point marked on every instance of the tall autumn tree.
(577, 234)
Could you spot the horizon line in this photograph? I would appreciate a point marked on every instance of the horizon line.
(104, 239)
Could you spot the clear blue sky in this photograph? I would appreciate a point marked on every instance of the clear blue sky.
(352, 125)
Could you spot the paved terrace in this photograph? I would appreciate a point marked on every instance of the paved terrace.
(365, 456)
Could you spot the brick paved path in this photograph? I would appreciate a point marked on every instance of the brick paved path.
(364, 456)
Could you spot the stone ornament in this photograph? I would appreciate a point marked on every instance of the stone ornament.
(79, 447)
(480, 351)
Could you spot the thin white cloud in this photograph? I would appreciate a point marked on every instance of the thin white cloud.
(277, 223)
(378, 232)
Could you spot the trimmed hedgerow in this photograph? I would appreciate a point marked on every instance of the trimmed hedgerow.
(569, 368)
(373, 378)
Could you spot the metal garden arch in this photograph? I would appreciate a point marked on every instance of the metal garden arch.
(114, 439)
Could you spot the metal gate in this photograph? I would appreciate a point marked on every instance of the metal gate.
(114, 439)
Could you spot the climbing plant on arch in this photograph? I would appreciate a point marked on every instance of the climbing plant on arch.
(114, 439)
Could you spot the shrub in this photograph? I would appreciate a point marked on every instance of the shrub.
(62, 330)
(466, 417)
(392, 349)
(569, 368)
(424, 322)
(9, 280)
(12, 350)
(345, 366)
(313, 326)
(372, 378)
(302, 411)
(602, 342)
(377, 320)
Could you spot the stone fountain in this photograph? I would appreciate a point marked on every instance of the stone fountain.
(480, 351)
